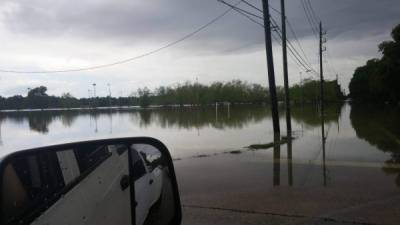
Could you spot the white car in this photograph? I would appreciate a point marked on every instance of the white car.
(95, 183)
(148, 179)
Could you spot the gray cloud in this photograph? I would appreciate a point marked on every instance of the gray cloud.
(354, 27)
(136, 20)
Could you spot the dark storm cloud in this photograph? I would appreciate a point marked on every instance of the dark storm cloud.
(349, 18)
(132, 21)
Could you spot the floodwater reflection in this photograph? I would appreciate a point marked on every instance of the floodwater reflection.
(352, 133)
(379, 126)
(183, 118)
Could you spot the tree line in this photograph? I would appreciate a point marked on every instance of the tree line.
(235, 92)
(37, 98)
(188, 93)
(379, 79)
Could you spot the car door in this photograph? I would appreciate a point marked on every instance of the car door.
(97, 198)
(156, 175)
(151, 156)
(142, 191)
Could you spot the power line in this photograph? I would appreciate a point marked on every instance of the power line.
(331, 67)
(295, 60)
(316, 17)
(309, 67)
(287, 20)
(250, 18)
(314, 30)
(239, 9)
(296, 39)
(187, 36)
(291, 28)
(252, 6)
(298, 58)
(312, 15)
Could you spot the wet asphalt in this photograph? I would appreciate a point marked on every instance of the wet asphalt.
(252, 188)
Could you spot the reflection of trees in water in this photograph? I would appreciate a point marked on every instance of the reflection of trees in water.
(145, 117)
(40, 120)
(236, 117)
(310, 115)
(380, 127)
(68, 118)
(187, 118)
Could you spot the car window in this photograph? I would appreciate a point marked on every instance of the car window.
(150, 155)
(139, 169)
(90, 157)
(35, 181)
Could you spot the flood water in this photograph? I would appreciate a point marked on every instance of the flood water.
(355, 135)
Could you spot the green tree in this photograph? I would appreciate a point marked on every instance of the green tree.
(379, 79)
(38, 98)
(144, 97)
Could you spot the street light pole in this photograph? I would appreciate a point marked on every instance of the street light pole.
(94, 95)
(109, 94)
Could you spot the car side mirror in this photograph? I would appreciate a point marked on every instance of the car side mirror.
(114, 181)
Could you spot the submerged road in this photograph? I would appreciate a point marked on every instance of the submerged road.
(253, 188)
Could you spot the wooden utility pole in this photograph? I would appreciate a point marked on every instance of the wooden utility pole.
(321, 73)
(271, 72)
(285, 71)
(322, 102)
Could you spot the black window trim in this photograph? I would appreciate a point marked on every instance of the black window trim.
(125, 140)
(33, 213)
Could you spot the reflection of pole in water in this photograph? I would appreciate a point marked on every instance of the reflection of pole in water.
(323, 144)
(338, 118)
(95, 123)
(198, 122)
(216, 112)
(290, 162)
(277, 161)
(111, 123)
(90, 119)
(229, 110)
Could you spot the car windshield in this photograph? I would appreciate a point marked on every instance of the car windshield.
(274, 111)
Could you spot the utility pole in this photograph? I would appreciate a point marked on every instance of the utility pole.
(271, 72)
(321, 41)
(301, 89)
(94, 90)
(94, 95)
(89, 97)
(197, 92)
(321, 73)
(109, 94)
(321, 78)
(285, 71)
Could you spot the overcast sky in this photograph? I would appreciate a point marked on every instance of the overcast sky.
(43, 35)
